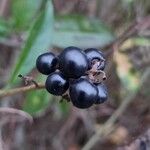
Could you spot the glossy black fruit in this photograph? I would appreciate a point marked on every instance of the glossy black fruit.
(73, 62)
(102, 93)
(83, 93)
(92, 54)
(56, 83)
(46, 63)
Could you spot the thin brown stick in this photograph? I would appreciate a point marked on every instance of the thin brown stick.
(106, 128)
(132, 30)
(10, 92)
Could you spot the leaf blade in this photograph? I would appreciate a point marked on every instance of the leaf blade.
(39, 39)
(80, 31)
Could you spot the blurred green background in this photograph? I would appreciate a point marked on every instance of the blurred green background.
(29, 28)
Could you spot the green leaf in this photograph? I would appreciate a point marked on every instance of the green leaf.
(39, 40)
(36, 101)
(82, 40)
(80, 31)
(23, 12)
(4, 27)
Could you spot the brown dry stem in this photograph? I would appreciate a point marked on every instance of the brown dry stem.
(10, 92)
(106, 129)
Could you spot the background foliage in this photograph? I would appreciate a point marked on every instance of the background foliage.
(31, 27)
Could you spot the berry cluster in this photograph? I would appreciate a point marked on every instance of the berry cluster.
(75, 73)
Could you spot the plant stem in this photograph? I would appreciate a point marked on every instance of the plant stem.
(106, 129)
(10, 92)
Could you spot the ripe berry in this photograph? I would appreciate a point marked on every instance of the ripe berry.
(83, 93)
(92, 54)
(56, 83)
(102, 94)
(46, 63)
(73, 62)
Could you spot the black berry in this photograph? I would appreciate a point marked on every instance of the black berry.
(93, 54)
(46, 63)
(73, 62)
(56, 83)
(102, 93)
(83, 93)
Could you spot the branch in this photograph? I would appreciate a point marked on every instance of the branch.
(10, 92)
(133, 29)
(107, 127)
